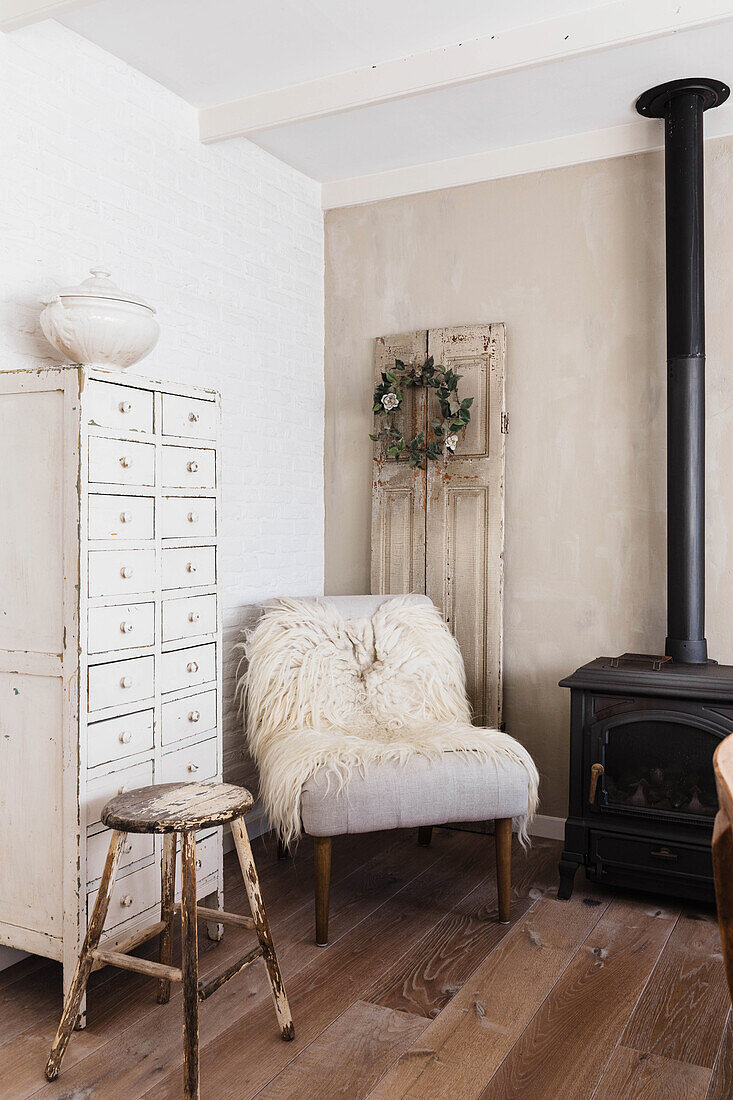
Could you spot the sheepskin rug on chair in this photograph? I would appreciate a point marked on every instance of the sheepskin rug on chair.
(321, 691)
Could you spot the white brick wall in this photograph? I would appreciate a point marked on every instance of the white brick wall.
(100, 164)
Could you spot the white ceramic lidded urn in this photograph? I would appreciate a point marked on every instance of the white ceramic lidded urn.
(100, 325)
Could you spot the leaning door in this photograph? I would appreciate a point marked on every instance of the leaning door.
(465, 512)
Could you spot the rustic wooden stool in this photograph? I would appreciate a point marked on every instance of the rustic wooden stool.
(173, 808)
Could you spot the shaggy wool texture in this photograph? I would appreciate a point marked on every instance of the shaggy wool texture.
(321, 691)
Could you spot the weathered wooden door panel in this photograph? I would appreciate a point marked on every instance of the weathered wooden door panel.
(460, 585)
(441, 531)
(465, 513)
(398, 491)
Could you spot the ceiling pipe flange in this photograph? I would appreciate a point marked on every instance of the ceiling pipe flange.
(653, 102)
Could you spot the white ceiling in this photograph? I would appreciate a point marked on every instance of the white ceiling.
(220, 50)
(368, 125)
(573, 96)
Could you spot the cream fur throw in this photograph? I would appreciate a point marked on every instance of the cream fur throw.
(322, 691)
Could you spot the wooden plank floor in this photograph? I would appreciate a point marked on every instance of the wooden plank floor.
(420, 993)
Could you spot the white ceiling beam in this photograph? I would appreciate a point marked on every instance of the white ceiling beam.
(518, 160)
(21, 13)
(583, 32)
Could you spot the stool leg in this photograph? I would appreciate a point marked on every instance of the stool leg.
(215, 929)
(167, 900)
(259, 916)
(189, 941)
(84, 964)
(503, 842)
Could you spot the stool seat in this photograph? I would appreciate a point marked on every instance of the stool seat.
(176, 807)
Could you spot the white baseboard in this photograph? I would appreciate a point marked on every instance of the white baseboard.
(551, 828)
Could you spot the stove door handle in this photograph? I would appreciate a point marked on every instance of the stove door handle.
(595, 773)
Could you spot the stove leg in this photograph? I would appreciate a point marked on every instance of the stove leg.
(567, 870)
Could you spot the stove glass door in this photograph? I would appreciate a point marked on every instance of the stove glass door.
(657, 765)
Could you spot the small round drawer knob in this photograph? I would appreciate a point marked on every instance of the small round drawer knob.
(192, 666)
(125, 461)
(192, 466)
(193, 767)
(125, 406)
(126, 682)
(199, 864)
(128, 848)
(126, 900)
(191, 567)
(125, 517)
(193, 517)
(126, 572)
(194, 715)
(126, 737)
(122, 789)
(127, 628)
(193, 417)
(193, 616)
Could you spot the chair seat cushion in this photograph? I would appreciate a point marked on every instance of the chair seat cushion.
(457, 786)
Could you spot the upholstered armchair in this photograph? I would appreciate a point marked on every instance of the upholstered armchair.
(358, 719)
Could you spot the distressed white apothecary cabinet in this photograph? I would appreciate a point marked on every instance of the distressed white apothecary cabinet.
(110, 635)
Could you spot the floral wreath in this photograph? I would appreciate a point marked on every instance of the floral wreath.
(454, 416)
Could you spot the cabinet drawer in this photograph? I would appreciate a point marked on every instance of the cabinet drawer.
(188, 468)
(185, 717)
(182, 668)
(187, 566)
(137, 846)
(123, 626)
(114, 572)
(113, 517)
(188, 617)
(189, 417)
(207, 860)
(194, 763)
(103, 787)
(130, 897)
(186, 517)
(111, 406)
(120, 682)
(117, 462)
(117, 738)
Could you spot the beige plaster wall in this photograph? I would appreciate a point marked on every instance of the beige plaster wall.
(572, 260)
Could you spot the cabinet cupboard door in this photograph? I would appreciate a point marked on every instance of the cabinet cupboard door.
(398, 490)
(465, 513)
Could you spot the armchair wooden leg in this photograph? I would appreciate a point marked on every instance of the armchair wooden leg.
(425, 835)
(282, 850)
(503, 841)
(322, 862)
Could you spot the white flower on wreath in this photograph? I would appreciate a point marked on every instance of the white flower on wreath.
(451, 442)
(390, 401)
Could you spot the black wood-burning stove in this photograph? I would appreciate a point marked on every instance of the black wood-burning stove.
(643, 728)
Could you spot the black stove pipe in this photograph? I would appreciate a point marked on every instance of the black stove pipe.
(681, 104)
